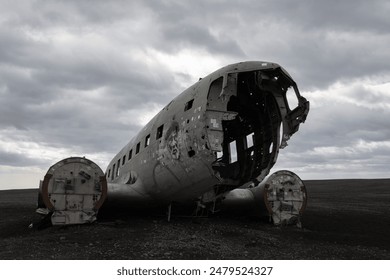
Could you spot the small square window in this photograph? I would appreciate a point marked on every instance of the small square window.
(188, 105)
(160, 130)
(147, 140)
(137, 148)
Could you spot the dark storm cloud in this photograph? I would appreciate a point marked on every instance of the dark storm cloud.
(317, 40)
(320, 42)
(357, 16)
(191, 26)
(69, 14)
(18, 160)
(332, 57)
(190, 35)
(46, 83)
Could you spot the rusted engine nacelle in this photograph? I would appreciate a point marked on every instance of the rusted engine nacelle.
(282, 196)
(73, 189)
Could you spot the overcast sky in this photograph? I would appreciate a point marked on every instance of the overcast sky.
(80, 78)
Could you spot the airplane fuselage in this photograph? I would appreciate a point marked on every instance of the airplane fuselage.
(221, 133)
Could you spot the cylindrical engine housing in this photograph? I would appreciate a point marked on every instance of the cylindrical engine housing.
(282, 196)
(74, 189)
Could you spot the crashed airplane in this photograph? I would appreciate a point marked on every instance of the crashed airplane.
(211, 147)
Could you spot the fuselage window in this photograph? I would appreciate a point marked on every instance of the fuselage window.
(147, 140)
(130, 154)
(138, 147)
(113, 172)
(109, 173)
(159, 131)
(117, 168)
(188, 105)
(123, 159)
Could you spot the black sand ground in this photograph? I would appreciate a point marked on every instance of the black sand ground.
(344, 219)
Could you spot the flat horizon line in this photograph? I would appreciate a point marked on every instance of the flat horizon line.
(304, 180)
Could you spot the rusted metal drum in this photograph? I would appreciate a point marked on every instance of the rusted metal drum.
(74, 189)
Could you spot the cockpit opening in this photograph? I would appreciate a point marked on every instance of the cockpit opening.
(246, 120)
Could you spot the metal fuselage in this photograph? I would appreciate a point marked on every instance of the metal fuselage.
(221, 133)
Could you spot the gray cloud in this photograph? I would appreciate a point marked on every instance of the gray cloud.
(319, 42)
